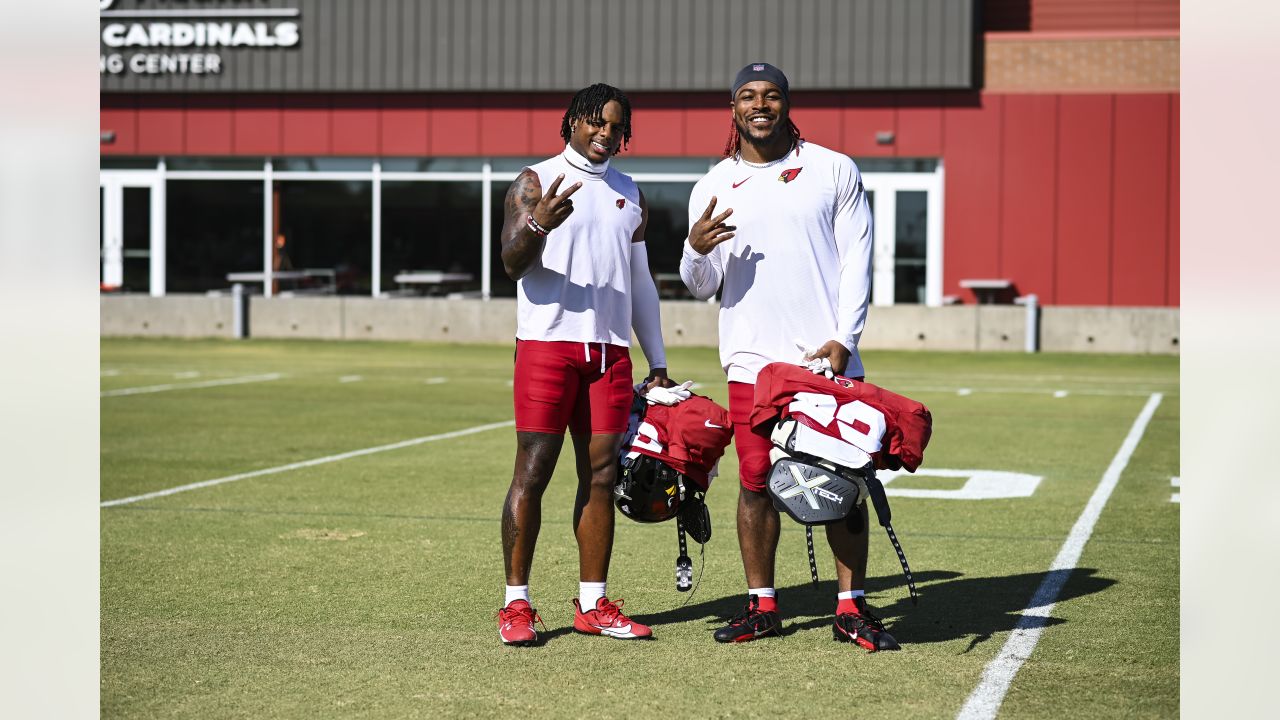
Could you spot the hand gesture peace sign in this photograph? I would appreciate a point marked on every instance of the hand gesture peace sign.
(708, 231)
(553, 209)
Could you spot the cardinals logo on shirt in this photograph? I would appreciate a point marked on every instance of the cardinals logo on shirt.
(789, 174)
(621, 203)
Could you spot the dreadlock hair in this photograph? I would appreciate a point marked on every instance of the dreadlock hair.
(734, 145)
(588, 104)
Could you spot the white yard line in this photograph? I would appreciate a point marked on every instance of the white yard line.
(350, 378)
(309, 463)
(190, 386)
(436, 381)
(985, 701)
(962, 391)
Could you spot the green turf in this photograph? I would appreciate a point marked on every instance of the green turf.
(367, 587)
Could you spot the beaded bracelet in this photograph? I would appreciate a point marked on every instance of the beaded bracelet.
(535, 227)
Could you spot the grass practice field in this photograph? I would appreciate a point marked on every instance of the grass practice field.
(365, 584)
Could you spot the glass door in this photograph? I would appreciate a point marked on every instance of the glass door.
(131, 238)
(907, 255)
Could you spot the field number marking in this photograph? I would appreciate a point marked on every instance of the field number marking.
(1176, 497)
(979, 485)
(984, 703)
(309, 463)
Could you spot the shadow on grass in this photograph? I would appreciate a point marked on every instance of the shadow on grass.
(951, 606)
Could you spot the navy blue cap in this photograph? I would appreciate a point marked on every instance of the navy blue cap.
(761, 71)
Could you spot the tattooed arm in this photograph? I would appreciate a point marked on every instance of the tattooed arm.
(521, 246)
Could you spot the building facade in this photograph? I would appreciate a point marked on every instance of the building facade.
(1010, 147)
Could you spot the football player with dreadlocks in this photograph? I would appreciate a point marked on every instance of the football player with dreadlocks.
(573, 239)
(794, 265)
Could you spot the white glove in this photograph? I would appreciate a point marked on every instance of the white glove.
(669, 396)
(820, 366)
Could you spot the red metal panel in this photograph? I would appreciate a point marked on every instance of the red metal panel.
(119, 115)
(1104, 14)
(864, 116)
(1173, 293)
(971, 152)
(209, 125)
(256, 125)
(919, 125)
(820, 117)
(403, 125)
(307, 125)
(1083, 258)
(160, 126)
(355, 125)
(1027, 209)
(1140, 224)
(663, 119)
(546, 112)
(504, 126)
(455, 125)
(707, 123)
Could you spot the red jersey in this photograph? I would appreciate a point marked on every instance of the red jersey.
(690, 436)
(892, 429)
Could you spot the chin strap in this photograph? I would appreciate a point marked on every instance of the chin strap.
(813, 562)
(885, 515)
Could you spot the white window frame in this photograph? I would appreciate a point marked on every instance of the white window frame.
(886, 185)
(113, 183)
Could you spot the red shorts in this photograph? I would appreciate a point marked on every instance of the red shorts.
(753, 448)
(560, 384)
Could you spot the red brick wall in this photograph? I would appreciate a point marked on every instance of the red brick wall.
(1058, 15)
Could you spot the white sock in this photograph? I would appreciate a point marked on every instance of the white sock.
(589, 593)
(517, 592)
(762, 592)
(850, 594)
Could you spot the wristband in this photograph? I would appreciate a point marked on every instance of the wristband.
(535, 227)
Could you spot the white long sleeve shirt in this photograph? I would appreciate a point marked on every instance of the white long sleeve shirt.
(799, 264)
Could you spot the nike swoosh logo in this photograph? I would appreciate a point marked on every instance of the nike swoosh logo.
(623, 632)
(742, 181)
(710, 424)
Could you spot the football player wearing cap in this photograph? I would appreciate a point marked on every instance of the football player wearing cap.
(782, 228)
(573, 239)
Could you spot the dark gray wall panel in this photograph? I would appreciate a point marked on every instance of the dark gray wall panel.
(559, 45)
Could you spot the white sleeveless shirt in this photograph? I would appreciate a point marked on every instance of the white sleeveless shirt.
(579, 290)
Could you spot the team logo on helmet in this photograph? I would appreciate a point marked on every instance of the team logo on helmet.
(789, 175)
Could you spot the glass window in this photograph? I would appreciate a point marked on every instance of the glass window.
(513, 164)
(212, 228)
(632, 165)
(322, 164)
(909, 247)
(887, 165)
(137, 239)
(665, 234)
(435, 164)
(431, 226)
(113, 162)
(327, 226)
(500, 284)
(214, 163)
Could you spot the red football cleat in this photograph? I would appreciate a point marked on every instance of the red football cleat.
(863, 629)
(607, 619)
(515, 624)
